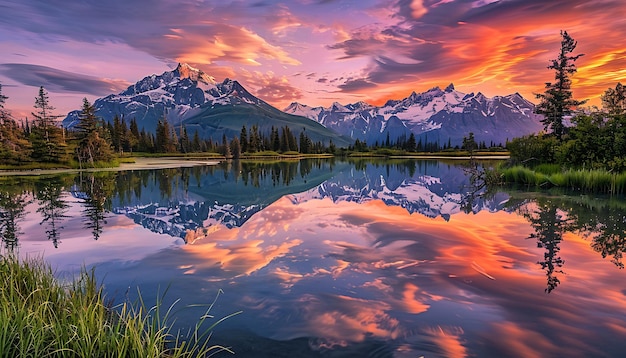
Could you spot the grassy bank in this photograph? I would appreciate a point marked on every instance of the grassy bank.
(589, 181)
(40, 317)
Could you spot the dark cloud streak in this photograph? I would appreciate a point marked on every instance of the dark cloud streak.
(61, 81)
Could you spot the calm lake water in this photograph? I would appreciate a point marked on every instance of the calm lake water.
(342, 259)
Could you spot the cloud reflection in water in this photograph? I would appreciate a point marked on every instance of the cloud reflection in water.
(347, 272)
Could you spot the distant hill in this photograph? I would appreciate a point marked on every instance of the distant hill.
(189, 97)
(436, 116)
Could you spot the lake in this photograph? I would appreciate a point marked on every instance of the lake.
(331, 258)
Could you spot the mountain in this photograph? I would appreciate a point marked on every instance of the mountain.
(189, 97)
(433, 116)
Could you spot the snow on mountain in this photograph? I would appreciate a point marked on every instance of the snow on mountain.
(435, 115)
(188, 97)
(304, 110)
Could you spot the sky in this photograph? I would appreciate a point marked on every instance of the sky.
(314, 52)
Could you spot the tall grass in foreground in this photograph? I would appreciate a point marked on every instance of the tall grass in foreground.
(591, 181)
(39, 317)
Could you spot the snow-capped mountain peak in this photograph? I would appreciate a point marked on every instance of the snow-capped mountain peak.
(186, 71)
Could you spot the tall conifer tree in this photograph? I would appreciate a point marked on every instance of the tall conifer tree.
(557, 101)
(47, 137)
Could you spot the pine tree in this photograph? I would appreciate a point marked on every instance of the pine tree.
(255, 140)
(164, 141)
(134, 131)
(557, 101)
(185, 143)
(129, 141)
(235, 148)
(411, 145)
(243, 139)
(275, 139)
(196, 146)
(469, 143)
(117, 133)
(225, 149)
(92, 144)
(47, 137)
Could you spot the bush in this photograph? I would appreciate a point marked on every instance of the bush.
(533, 149)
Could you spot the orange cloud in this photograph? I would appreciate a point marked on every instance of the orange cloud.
(208, 42)
(241, 259)
(449, 341)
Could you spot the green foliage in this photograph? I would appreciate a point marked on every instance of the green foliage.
(14, 146)
(469, 143)
(40, 317)
(532, 149)
(614, 100)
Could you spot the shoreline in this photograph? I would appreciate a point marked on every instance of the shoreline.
(146, 163)
(141, 163)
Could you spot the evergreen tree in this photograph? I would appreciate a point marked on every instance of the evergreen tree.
(164, 143)
(130, 140)
(304, 143)
(134, 132)
(291, 140)
(411, 145)
(557, 101)
(235, 148)
(255, 140)
(275, 139)
(185, 143)
(243, 139)
(469, 143)
(117, 133)
(92, 144)
(196, 146)
(225, 149)
(47, 137)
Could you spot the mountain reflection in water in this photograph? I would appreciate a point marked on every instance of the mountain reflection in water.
(334, 258)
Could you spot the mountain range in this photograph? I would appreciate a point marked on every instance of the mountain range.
(433, 116)
(188, 97)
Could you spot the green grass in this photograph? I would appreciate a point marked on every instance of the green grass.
(588, 181)
(40, 317)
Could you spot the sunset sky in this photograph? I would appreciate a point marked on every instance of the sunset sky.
(311, 51)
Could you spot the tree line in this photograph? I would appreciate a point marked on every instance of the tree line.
(92, 140)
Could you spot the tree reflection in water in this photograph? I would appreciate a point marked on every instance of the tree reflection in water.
(13, 201)
(551, 217)
(549, 223)
(51, 206)
(97, 191)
